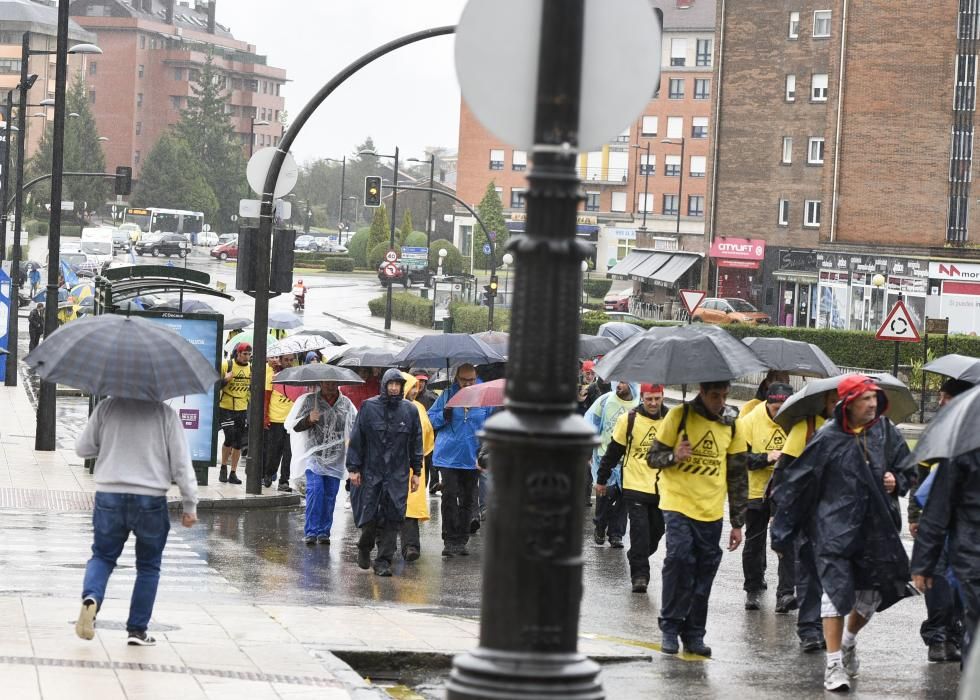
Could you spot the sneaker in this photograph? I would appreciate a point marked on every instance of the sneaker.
(669, 644)
(953, 652)
(233, 478)
(85, 627)
(937, 652)
(835, 678)
(223, 473)
(382, 568)
(140, 639)
(599, 537)
(323, 539)
(364, 558)
(850, 660)
(285, 488)
(640, 584)
(810, 645)
(616, 542)
(753, 600)
(267, 483)
(698, 647)
(448, 550)
(411, 554)
(310, 539)
(785, 603)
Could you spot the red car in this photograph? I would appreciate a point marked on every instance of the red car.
(225, 251)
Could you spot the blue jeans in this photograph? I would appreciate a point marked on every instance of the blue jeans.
(690, 565)
(321, 496)
(116, 515)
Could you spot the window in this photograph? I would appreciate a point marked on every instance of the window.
(139, 128)
(961, 158)
(175, 102)
(11, 66)
(500, 193)
(93, 67)
(818, 87)
(794, 25)
(815, 151)
(678, 52)
(142, 41)
(787, 150)
(821, 23)
(623, 248)
(252, 85)
(702, 88)
(139, 99)
(91, 97)
(178, 74)
(644, 203)
(496, 159)
(136, 157)
(624, 136)
(648, 164)
(812, 216)
(703, 52)
(782, 214)
(966, 82)
(698, 165)
(591, 201)
(140, 71)
(517, 197)
(593, 165)
(791, 88)
(675, 127)
(618, 201)
(695, 205)
(699, 128)
(672, 166)
(518, 160)
(676, 91)
(618, 166)
(670, 204)
(649, 127)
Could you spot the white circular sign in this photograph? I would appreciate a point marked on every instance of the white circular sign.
(621, 38)
(390, 270)
(258, 167)
(391, 256)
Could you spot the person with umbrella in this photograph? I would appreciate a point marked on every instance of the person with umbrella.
(386, 437)
(425, 396)
(631, 441)
(417, 508)
(35, 325)
(700, 450)
(35, 278)
(233, 410)
(765, 440)
(278, 404)
(842, 491)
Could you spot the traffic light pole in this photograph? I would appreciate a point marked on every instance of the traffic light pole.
(391, 241)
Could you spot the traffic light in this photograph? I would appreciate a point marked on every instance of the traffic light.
(492, 287)
(372, 191)
(124, 179)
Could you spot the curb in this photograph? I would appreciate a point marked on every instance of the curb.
(367, 327)
(250, 502)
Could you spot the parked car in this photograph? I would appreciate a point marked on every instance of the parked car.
(405, 275)
(132, 230)
(164, 244)
(121, 238)
(206, 238)
(730, 310)
(618, 299)
(318, 244)
(623, 317)
(226, 251)
(226, 238)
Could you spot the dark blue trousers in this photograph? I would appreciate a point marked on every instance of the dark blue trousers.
(690, 564)
(321, 496)
(943, 607)
(808, 591)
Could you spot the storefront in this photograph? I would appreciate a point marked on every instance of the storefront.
(737, 268)
(791, 287)
(954, 293)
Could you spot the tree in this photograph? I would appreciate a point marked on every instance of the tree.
(406, 228)
(82, 153)
(380, 227)
(491, 212)
(172, 178)
(452, 264)
(376, 255)
(357, 247)
(208, 131)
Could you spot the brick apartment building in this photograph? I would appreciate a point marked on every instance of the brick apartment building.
(618, 181)
(153, 51)
(843, 165)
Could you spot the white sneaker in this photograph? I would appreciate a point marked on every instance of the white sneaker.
(835, 678)
(85, 626)
(850, 660)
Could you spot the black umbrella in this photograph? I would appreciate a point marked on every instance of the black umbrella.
(619, 330)
(364, 356)
(590, 346)
(810, 400)
(316, 373)
(952, 432)
(188, 305)
(793, 356)
(957, 367)
(444, 349)
(332, 336)
(679, 355)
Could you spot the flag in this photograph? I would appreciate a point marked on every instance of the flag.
(71, 279)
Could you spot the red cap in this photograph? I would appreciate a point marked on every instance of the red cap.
(853, 385)
(422, 375)
(651, 388)
(588, 366)
(242, 346)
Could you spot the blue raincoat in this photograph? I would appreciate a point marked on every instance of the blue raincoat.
(456, 439)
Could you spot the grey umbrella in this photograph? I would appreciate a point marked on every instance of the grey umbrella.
(316, 373)
(188, 305)
(810, 400)
(590, 346)
(332, 336)
(679, 355)
(284, 320)
(957, 367)
(952, 432)
(236, 323)
(443, 349)
(618, 330)
(126, 357)
(364, 356)
(793, 356)
(496, 339)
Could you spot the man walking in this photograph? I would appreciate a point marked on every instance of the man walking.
(842, 492)
(386, 437)
(455, 459)
(701, 452)
(139, 448)
(631, 441)
(610, 506)
(35, 325)
(233, 410)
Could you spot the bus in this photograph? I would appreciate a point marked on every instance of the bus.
(154, 219)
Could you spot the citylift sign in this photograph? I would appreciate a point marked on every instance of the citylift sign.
(738, 252)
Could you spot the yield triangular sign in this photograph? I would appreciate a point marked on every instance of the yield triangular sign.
(898, 325)
(692, 298)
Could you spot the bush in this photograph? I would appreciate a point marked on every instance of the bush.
(597, 288)
(37, 228)
(468, 318)
(416, 239)
(357, 247)
(453, 264)
(338, 263)
(406, 307)
(377, 254)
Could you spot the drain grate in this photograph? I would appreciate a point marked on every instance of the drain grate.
(316, 681)
(42, 499)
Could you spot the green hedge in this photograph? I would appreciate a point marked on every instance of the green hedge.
(406, 307)
(339, 263)
(591, 320)
(597, 288)
(357, 247)
(376, 255)
(303, 259)
(468, 318)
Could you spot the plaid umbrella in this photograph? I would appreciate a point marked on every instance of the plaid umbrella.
(284, 319)
(126, 357)
(332, 336)
(296, 344)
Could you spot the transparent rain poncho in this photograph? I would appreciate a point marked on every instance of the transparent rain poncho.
(323, 448)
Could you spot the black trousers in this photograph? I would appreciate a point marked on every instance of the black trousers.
(610, 513)
(690, 565)
(410, 535)
(944, 609)
(35, 339)
(808, 591)
(384, 533)
(646, 531)
(458, 496)
(277, 450)
(754, 553)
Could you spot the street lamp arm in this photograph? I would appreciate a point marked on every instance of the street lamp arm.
(42, 178)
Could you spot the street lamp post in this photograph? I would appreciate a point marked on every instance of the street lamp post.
(5, 172)
(251, 133)
(428, 218)
(343, 181)
(680, 181)
(646, 184)
(391, 237)
(507, 260)
(357, 213)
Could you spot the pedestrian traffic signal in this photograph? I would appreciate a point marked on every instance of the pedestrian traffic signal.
(372, 191)
(124, 179)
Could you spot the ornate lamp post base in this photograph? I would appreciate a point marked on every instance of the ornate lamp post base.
(490, 673)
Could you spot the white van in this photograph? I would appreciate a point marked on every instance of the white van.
(97, 242)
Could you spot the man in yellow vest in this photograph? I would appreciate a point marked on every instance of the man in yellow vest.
(278, 453)
(233, 410)
(632, 439)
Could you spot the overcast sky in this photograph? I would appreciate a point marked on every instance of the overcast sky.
(408, 98)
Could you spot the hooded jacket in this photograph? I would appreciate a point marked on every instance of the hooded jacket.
(418, 500)
(834, 494)
(386, 437)
(456, 437)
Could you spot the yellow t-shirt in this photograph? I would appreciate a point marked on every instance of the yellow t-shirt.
(637, 476)
(279, 405)
(762, 435)
(748, 407)
(796, 439)
(697, 486)
(234, 394)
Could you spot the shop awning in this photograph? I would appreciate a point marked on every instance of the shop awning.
(625, 266)
(648, 268)
(678, 264)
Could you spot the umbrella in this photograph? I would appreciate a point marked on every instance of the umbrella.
(332, 336)
(793, 356)
(126, 357)
(188, 305)
(295, 344)
(495, 339)
(618, 330)
(590, 346)
(43, 295)
(284, 319)
(809, 401)
(316, 373)
(952, 432)
(957, 367)
(445, 348)
(237, 323)
(4, 351)
(485, 394)
(246, 337)
(679, 355)
(81, 291)
(364, 356)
